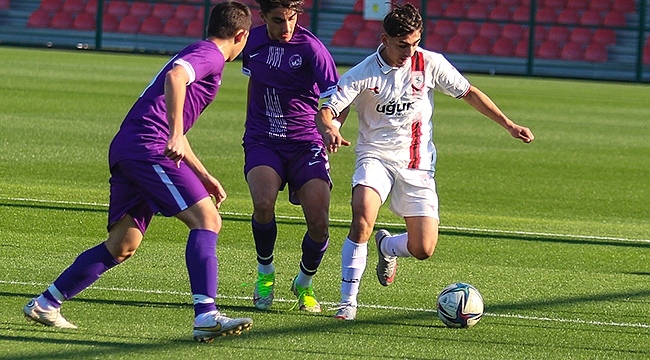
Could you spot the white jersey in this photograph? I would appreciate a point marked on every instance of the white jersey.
(395, 106)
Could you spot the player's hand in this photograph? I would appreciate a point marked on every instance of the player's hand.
(213, 186)
(175, 150)
(333, 140)
(523, 133)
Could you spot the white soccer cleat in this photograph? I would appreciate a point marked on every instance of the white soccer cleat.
(346, 311)
(35, 313)
(210, 325)
(386, 265)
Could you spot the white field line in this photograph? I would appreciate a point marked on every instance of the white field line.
(442, 227)
(331, 304)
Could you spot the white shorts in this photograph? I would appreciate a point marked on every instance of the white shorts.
(412, 192)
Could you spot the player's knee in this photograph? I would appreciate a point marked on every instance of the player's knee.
(318, 232)
(361, 230)
(317, 225)
(263, 215)
(264, 205)
(422, 255)
(422, 252)
(213, 222)
(122, 254)
(126, 255)
(208, 219)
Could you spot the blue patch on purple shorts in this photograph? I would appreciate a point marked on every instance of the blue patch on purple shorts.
(142, 188)
(296, 163)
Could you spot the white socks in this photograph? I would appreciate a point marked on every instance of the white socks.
(45, 304)
(353, 264)
(266, 269)
(354, 258)
(303, 280)
(202, 299)
(395, 245)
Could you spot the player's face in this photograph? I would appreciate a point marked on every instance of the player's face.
(398, 50)
(280, 23)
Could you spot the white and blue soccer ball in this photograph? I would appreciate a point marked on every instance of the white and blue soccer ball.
(460, 305)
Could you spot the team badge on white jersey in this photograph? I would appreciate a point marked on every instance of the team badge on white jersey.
(417, 81)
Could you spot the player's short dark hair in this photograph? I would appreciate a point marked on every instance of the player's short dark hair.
(227, 18)
(268, 5)
(402, 20)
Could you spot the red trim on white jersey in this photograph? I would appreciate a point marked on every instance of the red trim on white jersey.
(395, 106)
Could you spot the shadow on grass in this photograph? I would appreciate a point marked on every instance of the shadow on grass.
(55, 206)
(346, 225)
(274, 340)
(556, 302)
(540, 238)
(398, 325)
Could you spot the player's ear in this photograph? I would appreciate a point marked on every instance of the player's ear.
(242, 35)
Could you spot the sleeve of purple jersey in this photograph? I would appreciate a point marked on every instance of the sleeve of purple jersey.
(325, 71)
(203, 62)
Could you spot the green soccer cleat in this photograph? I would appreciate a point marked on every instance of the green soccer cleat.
(263, 293)
(306, 298)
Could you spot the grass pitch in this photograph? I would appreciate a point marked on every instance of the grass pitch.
(554, 234)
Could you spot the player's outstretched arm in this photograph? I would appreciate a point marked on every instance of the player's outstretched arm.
(481, 102)
(328, 127)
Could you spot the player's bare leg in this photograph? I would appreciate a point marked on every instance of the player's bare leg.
(422, 236)
(124, 238)
(365, 208)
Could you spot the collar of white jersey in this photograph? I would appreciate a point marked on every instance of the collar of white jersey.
(383, 66)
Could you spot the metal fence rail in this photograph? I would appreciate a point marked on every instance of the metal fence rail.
(591, 39)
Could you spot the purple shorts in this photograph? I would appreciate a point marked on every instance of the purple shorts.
(296, 163)
(142, 188)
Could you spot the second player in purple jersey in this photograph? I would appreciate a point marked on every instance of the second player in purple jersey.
(286, 82)
(289, 70)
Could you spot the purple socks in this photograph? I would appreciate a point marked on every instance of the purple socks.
(203, 267)
(264, 236)
(83, 272)
(312, 255)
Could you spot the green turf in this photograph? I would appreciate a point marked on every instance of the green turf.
(555, 234)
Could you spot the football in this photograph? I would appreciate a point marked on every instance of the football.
(460, 305)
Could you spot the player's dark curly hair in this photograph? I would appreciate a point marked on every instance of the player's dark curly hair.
(268, 5)
(227, 18)
(402, 20)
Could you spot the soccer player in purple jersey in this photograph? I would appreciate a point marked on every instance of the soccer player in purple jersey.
(289, 70)
(153, 169)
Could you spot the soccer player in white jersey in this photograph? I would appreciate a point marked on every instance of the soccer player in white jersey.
(392, 91)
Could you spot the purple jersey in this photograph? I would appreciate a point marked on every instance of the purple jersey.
(145, 129)
(286, 82)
